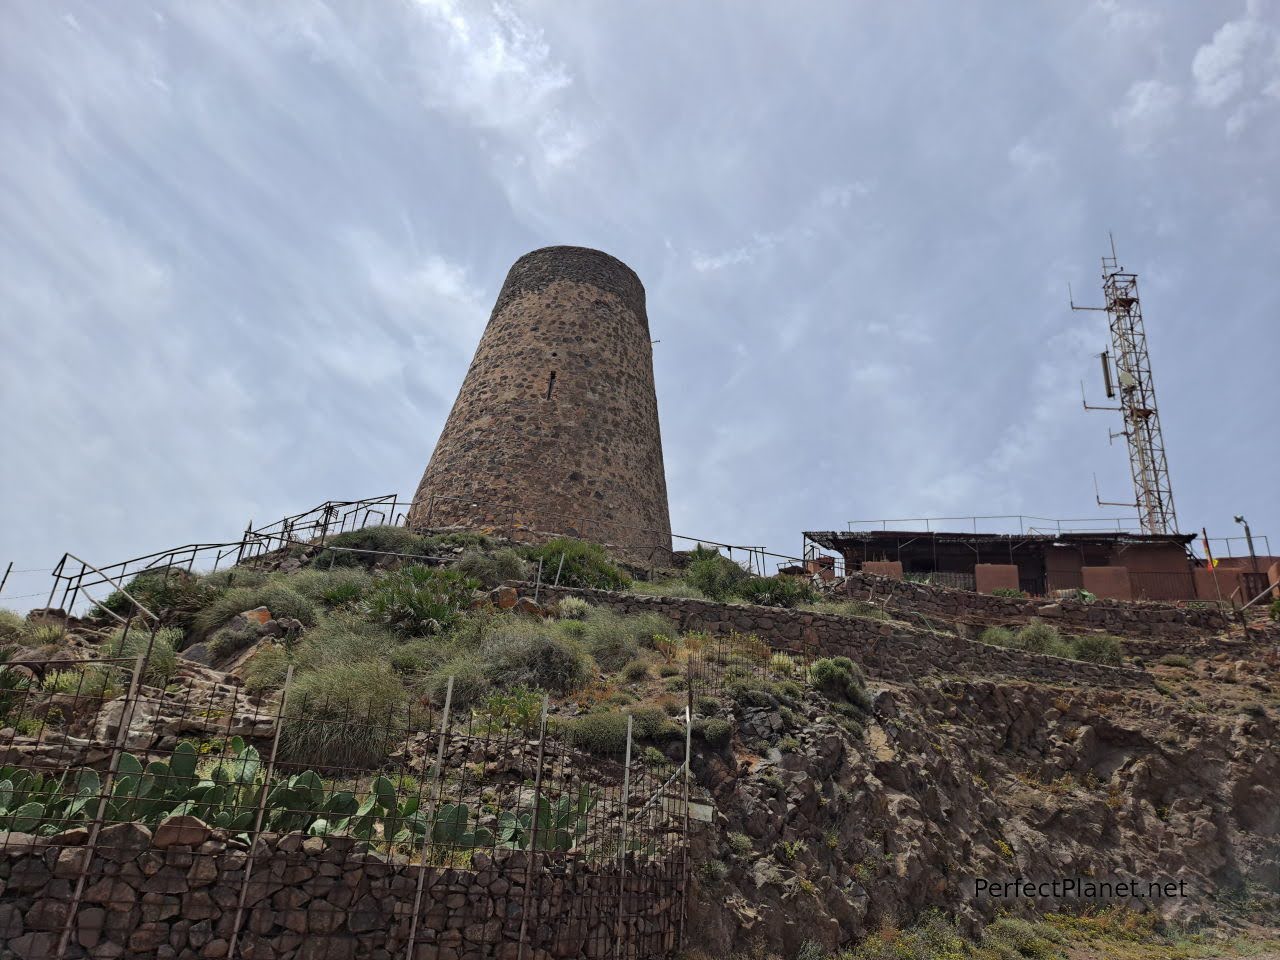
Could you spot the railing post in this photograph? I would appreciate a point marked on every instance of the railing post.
(537, 587)
(533, 831)
(436, 787)
(622, 847)
(261, 814)
(104, 795)
(5, 578)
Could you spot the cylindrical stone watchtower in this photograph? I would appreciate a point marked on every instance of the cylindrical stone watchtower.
(555, 429)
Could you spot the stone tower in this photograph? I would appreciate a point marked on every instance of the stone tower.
(555, 429)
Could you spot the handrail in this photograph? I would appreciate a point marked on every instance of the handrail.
(115, 583)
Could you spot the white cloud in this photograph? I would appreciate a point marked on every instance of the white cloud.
(1219, 66)
(1148, 112)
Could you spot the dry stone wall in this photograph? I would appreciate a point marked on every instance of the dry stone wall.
(1123, 619)
(893, 651)
(174, 895)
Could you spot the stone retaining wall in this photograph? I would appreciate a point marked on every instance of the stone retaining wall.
(1144, 619)
(173, 895)
(889, 650)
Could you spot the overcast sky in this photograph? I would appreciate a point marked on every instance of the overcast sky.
(247, 250)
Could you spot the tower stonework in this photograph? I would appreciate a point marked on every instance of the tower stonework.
(555, 429)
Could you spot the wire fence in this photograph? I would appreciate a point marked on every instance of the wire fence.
(488, 821)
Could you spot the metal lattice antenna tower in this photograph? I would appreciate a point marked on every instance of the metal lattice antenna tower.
(1137, 396)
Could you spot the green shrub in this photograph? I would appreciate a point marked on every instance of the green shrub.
(266, 670)
(235, 577)
(997, 636)
(227, 641)
(13, 628)
(1098, 648)
(840, 679)
(492, 567)
(519, 708)
(535, 654)
(636, 671)
(330, 588)
(1176, 660)
(339, 549)
(471, 681)
(650, 722)
(1274, 609)
(417, 657)
(713, 575)
(173, 595)
(779, 591)
(740, 844)
(603, 733)
(283, 602)
(1013, 592)
(162, 660)
(713, 731)
(585, 564)
(344, 715)
(1038, 637)
(1019, 938)
(343, 636)
(573, 608)
(416, 600)
(615, 640)
(13, 685)
(47, 633)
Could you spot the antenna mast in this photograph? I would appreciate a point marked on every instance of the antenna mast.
(1137, 395)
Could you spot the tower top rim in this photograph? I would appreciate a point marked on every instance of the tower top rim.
(538, 268)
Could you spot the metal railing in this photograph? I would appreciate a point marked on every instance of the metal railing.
(1025, 524)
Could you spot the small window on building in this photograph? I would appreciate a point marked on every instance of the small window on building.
(551, 383)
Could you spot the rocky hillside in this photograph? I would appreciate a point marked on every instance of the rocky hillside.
(883, 764)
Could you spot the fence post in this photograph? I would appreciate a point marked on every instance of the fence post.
(537, 587)
(437, 778)
(533, 831)
(257, 823)
(104, 795)
(5, 578)
(622, 848)
(559, 569)
(684, 870)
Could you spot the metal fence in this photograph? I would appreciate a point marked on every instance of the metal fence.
(90, 745)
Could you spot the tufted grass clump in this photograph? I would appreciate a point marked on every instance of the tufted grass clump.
(330, 588)
(573, 608)
(162, 659)
(840, 679)
(584, 564)
(266, 671)
(280, 599)
(13, 627)
(614, 639)
(650, 722)
(1037, 637)
(534, 654)
(344, 636)
(1098, 648)
(780, 591)
(417, 601)
(492, 567)
(348, 549)
(173, 595)
(344, 715)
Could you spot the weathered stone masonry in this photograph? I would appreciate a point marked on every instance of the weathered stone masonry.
(889, 650)
(555, 428)
(174, 895)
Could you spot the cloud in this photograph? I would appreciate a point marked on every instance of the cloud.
(1219, 66)
(1148, 112)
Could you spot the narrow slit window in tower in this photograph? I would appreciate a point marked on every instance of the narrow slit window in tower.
(551, 383)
